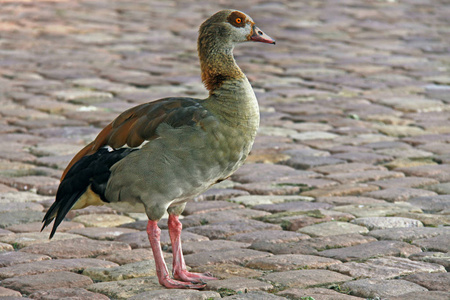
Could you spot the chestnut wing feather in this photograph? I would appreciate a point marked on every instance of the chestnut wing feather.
(138, 124)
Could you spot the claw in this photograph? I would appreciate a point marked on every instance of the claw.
(175, 284)
(193, 277)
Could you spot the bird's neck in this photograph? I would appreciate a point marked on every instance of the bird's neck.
(231, 96)
(217, 63)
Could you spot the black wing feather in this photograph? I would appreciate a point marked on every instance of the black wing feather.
(91, 170)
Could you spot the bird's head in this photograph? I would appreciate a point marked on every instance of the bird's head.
(231, 27)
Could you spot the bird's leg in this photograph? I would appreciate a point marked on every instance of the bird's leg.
(179, 266)
(162, 272)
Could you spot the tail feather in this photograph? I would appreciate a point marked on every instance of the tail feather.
(58, 211)
(92, 170)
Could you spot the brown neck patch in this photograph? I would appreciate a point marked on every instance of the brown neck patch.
(218, 68)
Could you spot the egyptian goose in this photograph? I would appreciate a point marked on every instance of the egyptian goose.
(158, 155)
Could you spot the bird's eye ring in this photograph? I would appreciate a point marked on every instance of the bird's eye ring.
(238, 20)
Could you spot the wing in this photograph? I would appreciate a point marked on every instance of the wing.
(84, 180)
(138, 124)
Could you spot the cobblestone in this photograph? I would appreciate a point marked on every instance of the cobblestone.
(371, 288)
(385, 268)
(61, 293)
(305, 278)
(291, 262)
(433, 282)
(33, 283)
(239, 284)
(369, 250)
(316, 293)
(46, 266)
(351, 154)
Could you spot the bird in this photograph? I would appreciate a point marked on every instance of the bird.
(158, 155)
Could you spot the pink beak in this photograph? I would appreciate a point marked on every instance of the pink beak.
(259, 36)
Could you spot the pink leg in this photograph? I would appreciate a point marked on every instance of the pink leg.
(179, 266)
(154, 234)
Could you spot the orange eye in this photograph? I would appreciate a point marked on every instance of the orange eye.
(238, 20)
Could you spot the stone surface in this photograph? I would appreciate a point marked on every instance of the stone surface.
(436, 243)
(432, 203)
(105, 220)
(177, 294)
(440, 258)
(341, 190)
(290, 262)
(217, 217)
(272, 236)
(305, 278)
(122, 257)
(16, 257)
(226, 229)
(411, 182)
(337, 241)
(13, 197)
(292, 206)
(4, 293)
(370, 250)
(398, 194)
(433, 282)
(265, 199)
(140, 239)
(76, 248)
(284, 248)
(215, 245)
(371, 288)
(385, 268)
(267, 173)
(378, 209)
(67, 293)
(440, 188)
(315, 293)
(6, 247)
(296, 220)
(19, 217)
(267, 188)
(438, 172)
(363, 176)
(126, 271)
(387, 222)
(28, 183)
(255, 295)
(124, 289)
(101, 233)
(332, 228)
(55, 265)
(33, 283)
(408, 234)
(427, 219)
(21, 240)
(237, 256)
(207, 207)
(90, 210)
(435, 295)
(239, 284)
(349, 200)
(36, 226)
(20, 206)
(228, 270)
(4, 232)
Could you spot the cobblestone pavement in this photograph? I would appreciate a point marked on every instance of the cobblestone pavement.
(344, 196)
